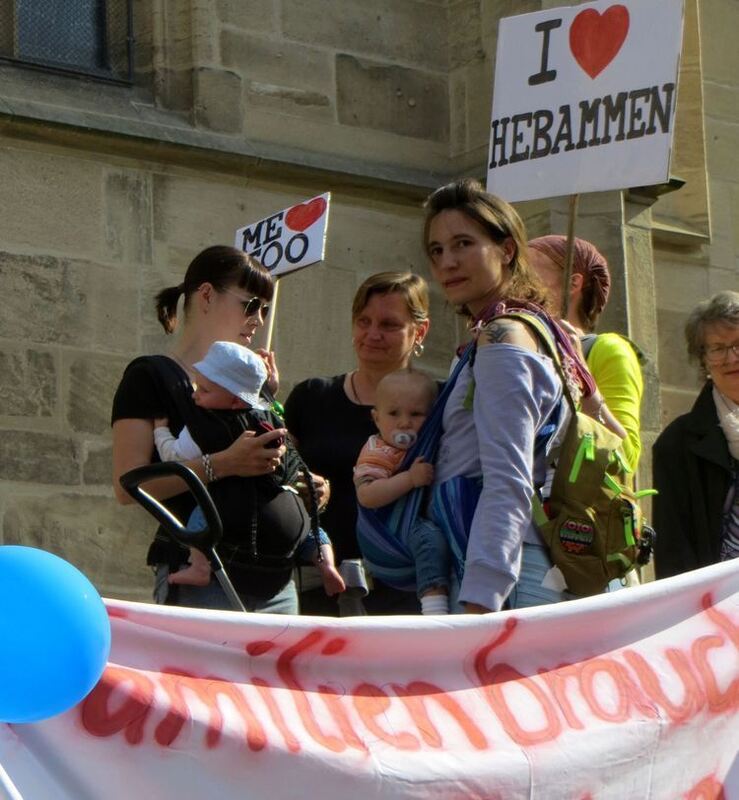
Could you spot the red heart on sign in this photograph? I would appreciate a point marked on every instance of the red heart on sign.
(298, 218)
(595, 38)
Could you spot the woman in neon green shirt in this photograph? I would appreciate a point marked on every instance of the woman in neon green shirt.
(611, 358)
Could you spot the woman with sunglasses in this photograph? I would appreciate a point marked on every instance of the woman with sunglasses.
(225, 295)
(696, 457)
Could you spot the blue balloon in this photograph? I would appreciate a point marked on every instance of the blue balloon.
(54, 635)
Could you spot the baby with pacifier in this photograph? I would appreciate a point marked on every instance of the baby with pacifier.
(402, 403)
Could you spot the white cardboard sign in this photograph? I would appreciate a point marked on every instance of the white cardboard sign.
(290, 239)
(584, 98)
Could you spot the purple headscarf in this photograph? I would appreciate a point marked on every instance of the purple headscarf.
(587, 261)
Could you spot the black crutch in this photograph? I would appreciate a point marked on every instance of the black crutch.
(205, 539)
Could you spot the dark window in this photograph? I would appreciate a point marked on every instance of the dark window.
(91, 37)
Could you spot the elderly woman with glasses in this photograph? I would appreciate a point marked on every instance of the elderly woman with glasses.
(696, 458)
(224, 298)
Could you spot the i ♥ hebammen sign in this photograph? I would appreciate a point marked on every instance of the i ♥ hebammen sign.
(290, 239)
(584, 98)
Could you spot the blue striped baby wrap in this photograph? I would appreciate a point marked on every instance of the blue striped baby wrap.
(382, 531)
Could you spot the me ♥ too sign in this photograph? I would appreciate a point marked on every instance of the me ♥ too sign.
(290, 239)
(626, 695)
(584, 98)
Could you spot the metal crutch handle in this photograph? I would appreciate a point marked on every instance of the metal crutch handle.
(204, 539)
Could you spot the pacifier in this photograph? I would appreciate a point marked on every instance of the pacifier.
(403, 439)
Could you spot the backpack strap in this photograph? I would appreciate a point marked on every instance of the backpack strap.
(586, 342)
(538, 513)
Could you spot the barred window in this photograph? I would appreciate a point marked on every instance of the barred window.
(90, 37)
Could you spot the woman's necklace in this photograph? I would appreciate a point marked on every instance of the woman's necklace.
(354, 387)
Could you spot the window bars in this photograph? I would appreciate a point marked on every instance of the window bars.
(83, 37)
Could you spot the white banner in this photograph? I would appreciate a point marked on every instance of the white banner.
(584, 98)
(628, 695)
(290, 239)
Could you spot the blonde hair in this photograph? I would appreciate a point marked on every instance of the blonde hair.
(410, 377)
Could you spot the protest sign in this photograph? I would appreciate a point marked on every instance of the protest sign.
(290, 239)
(584, 98)
(632, 694)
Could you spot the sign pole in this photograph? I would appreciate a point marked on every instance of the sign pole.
(574, 201)
(272, 315)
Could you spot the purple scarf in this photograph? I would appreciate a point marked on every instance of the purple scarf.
(578, 375)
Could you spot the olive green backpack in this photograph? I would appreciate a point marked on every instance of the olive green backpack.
(591, 522)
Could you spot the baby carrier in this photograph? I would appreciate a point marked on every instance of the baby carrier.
(264, 520)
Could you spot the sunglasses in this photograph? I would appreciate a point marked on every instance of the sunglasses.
(251, 306)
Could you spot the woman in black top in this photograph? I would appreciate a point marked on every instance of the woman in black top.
(225, 299)
(696, 458)
(330, 420)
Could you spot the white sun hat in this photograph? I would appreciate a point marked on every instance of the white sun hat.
(237, 369)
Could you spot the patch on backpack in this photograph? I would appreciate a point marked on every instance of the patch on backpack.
(576, 536)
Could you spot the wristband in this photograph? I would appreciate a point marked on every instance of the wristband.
(210, 475)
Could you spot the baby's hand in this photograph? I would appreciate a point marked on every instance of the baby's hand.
(161, 422)
(574, 336)
(421, 473)
(273, 376)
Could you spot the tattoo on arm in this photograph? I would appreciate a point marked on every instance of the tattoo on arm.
(497, 331)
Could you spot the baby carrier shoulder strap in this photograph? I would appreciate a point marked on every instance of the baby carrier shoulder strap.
(176, 382)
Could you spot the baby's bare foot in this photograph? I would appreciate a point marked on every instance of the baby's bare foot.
(192, 575)
(333, 583)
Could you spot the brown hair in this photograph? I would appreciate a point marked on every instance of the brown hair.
(409, 375)
(222, 267)
(500, 221)
(413, 288)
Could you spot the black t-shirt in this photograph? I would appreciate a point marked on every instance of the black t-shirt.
(142, 395)
(330, 431)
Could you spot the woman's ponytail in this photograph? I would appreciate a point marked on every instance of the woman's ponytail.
(166, 305)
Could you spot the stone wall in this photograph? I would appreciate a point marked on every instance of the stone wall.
(109, 190)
